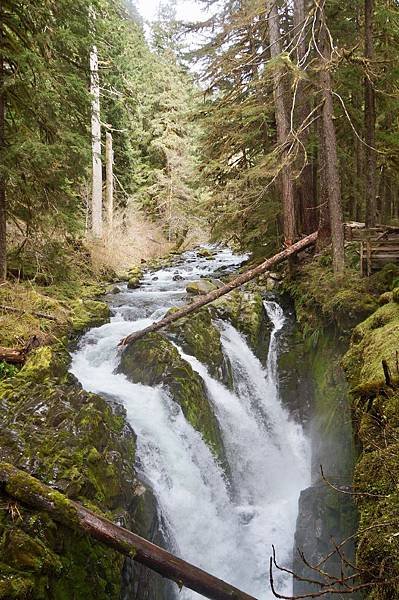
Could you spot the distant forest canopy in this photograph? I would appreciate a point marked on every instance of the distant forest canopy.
(293, 126)
(146, 102)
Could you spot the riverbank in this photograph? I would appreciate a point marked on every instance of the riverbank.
(348, 328)
(77, 442)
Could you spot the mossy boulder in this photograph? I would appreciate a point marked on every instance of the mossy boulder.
(198, 335)
(73, 441)
(201, 287)
(373, 340)
(135, 275)
(246, 312)
(87, 313)
(154, 360)
(204, 253)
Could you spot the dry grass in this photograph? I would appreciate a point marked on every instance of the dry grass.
(136, 238)
(130, 241)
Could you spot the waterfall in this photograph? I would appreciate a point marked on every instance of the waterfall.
(224, 527)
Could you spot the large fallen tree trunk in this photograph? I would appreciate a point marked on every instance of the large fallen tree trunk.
(30, 491)
(268, 264)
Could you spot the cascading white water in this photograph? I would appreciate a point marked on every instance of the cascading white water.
(225, 528)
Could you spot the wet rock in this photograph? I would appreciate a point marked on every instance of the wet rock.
(202, 287)
(135, 276)
(177, 277)
(205, 253)
(197, 335)
(88, 313)
(246, 312)
(154, 360)
(116, 290)
(324, 515)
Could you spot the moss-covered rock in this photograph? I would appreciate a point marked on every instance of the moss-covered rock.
(88, 313)
(134, 277)
(198, 336)
(375, 408)
(201, 287)
(373, 340)
(246, 312)
(154, 360)
(73, 441)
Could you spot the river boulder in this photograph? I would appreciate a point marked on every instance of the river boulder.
(246, 312)
(154, 360)
(202, 287)
(198, 335)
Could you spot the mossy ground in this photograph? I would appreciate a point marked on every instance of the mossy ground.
(73, 441)
(376, 415)
(65, 437)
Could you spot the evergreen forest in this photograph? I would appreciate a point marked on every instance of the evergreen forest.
(199, 299)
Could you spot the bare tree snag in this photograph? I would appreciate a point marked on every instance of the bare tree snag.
(283, 127)
(30, 491)
(306, 242)
(109, 180)
(97, 183)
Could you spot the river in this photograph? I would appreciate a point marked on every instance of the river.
(223, 524)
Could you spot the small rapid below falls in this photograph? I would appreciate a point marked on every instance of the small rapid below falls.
(225, 526)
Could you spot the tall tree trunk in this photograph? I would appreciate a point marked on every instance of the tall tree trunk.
(283, 128)
(97, 183)
(109, 184)
(331, 156)
(324, 227)
(3, 214)
(370, 119)
(304, 189)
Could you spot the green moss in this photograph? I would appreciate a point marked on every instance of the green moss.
(246, 312)
(324, 300)
(88, 313)
(154, 360)
(374, 340)
(199, 337)
(134, 277)
(74, 441)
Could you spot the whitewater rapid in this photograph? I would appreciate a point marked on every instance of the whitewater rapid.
(225, 527)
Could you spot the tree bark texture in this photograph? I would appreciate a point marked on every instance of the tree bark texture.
(3, 212)
(370, 119)
(30, 491)
(304, 187)
(97, 183)
(331, 155)
(306, 242)
(283, 128)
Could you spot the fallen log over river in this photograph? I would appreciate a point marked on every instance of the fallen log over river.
(248, 275)
(26, 489)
